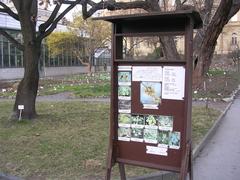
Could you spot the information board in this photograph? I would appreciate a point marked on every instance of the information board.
(150, 114)
(150, 119)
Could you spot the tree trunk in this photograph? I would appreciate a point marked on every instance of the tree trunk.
(169, 48)
(28, 87)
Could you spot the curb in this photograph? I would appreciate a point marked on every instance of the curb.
(196, 150)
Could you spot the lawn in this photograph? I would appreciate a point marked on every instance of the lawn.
(68, 141)
(219, 84)
(81, 85)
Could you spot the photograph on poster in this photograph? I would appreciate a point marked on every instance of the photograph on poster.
(163, 138)
(138, 121)
(174, 140)
(150, 94)
(124, 92)
(165, 123)
(124, 133)
(151, 122)
(124, 106)
(124, 78)
(124, 120)
(137, 134)
(151, 136)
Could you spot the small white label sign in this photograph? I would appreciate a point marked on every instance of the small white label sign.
(20, 107)
(161, 151)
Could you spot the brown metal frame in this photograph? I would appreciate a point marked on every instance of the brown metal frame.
(178, 23)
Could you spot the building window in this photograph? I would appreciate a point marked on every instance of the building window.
(234, 39)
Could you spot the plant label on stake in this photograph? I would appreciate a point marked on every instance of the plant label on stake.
(20, 107)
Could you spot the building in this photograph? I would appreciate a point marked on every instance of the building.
(11, 59)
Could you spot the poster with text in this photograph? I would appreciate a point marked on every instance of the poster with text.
(174, 140)
(124, 133)
(151, 122)
(151, 136)
(138, 121)
(124, 120)
(165, 123)
(124, 92)
(124, 106)
(137, 134)
(163, 138)
(147, 73)
(173, 86)
(124, 78)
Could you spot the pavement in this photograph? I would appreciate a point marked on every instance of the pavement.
(220, 158)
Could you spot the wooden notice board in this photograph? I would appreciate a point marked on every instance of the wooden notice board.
(150, 121)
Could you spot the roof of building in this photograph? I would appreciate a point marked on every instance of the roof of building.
(100, 51)
(7, 22)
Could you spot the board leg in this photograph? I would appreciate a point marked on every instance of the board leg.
(108, 174)
(109, 163)
(185, 163)
(190, 165)
(122, 171)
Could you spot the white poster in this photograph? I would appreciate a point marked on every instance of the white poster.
(173, 85)
(147, 73)
(157, 150)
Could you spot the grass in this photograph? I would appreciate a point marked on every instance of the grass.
(68, 141)
(82, 85)
(219, 84)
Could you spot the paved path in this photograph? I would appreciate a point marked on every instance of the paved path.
(220, 159)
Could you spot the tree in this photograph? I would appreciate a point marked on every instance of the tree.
(26, 14)
(83, 38)
(97, 34)
(206, 38)
(67, 42)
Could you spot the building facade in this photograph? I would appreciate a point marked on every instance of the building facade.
(11, 59)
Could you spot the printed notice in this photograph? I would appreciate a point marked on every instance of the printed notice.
(173, 82)
(157, 150)
(147, 73)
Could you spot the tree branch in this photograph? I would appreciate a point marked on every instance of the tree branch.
(235, 8)
(12, 40)
(7, 10)
(53, 25)
(44, 26)
(112, 5)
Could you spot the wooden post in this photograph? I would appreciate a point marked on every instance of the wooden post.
(185, 167)
(122, 171)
